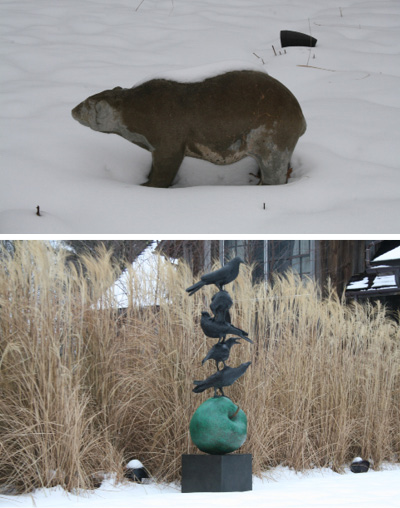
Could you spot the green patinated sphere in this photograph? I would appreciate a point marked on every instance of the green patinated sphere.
(216, 429)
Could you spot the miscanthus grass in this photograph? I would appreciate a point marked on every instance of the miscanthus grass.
(85, 386)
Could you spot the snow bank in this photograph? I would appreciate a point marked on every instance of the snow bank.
(281, 488)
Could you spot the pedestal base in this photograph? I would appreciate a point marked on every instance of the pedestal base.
(216, 473)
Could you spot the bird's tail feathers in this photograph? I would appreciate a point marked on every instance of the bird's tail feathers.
(200, 388)
(247, 338)
(192, 289)
(239, 331)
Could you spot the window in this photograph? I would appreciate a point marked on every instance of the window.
(271, 256)
(298, 255)
(251, 251)
(234, 248)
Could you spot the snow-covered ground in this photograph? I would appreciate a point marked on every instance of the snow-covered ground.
(282, 488)
(54, 54)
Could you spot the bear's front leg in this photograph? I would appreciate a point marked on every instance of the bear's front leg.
(165, 166)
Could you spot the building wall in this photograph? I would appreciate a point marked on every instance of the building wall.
(199, 254)
(339, 260)
(334, 259)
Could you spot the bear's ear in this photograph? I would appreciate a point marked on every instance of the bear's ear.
(117, 89)
(102, 109)
(104, 114)
(107, 117)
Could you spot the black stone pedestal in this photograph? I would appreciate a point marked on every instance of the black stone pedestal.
(216, 473)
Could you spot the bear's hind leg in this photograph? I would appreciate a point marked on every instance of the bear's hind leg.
(274, 167)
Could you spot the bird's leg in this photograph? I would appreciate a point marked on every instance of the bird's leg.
(222, 392)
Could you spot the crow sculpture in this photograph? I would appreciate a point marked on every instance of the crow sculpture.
(219, 277)
(225, 377)
(219, 330)
(220, 351)
(221, 302)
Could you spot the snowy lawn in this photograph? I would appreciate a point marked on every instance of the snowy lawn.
(54, 54)
(282, 488)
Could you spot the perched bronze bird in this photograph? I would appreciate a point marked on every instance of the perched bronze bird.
(225, 377)
(220, 351)
(219, 277)
(219, 330)
(221, 302)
